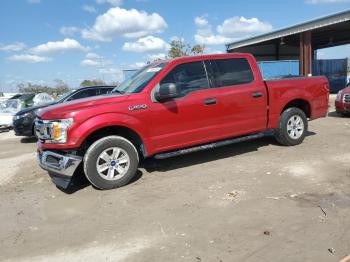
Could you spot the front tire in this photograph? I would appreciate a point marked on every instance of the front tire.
(292, 127)
(111, 162)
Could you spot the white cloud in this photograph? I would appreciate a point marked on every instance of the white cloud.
(240, 27)
(59, 46)
(27, 58)
(92, 56)
(136, 65)
(326, 1)
(122, 22)
(111, 2)
(231, 29)
(95, 60)
(17, 46)
(205, 35)
(109, 71)
(34, 1)
(146, 44)
(69, 30)
(113, 73)
(90, 62)
(200, 21)
(211, 39)
(209, 50)
(89, 8)
(153, 57)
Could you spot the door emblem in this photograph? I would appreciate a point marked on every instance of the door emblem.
(137, 107)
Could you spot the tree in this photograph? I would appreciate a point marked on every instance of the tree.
(60, 88)
(95, 82)
(179, 48)
(197, 49)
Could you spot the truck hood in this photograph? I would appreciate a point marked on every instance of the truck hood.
(61, 110)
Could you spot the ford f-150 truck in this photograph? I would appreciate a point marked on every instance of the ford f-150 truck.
(174, 107)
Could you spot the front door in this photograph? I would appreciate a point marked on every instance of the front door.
(190, 118)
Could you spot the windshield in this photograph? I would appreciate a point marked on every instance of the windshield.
(139, 80)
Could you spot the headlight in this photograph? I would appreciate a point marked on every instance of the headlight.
(29, 115)
(339, 95)
(53, 131)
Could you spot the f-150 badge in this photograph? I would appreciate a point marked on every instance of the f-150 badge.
(137, 107)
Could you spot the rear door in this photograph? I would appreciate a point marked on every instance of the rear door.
(242, 97)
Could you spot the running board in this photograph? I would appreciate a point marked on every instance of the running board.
(211, 145)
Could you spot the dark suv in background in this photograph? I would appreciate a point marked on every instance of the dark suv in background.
(23, 121)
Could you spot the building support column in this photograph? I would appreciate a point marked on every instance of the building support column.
(277, 51)
(305, 63)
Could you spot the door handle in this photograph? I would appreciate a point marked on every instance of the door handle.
(257, 94)
(210, 101)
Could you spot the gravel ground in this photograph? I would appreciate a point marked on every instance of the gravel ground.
(254, 201)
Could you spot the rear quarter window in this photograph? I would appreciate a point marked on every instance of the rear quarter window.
(83, 94)
(233, 71)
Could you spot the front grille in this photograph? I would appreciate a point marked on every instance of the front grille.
(347, 98)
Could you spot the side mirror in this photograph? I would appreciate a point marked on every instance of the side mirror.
(167, 91)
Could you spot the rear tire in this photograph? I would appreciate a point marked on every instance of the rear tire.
(292, 127)
(111, 162)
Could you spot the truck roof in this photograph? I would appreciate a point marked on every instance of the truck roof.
(206, 56)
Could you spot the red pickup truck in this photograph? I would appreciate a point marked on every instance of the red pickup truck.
(174, 107)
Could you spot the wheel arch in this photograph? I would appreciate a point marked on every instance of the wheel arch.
(118, 130)
(300, 103)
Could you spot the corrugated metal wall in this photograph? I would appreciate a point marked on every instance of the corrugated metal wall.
(334, 69)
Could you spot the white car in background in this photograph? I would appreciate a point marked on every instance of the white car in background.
(10, 107)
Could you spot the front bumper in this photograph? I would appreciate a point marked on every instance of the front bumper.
(61, 167)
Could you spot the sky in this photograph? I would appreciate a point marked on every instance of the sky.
(73, 40)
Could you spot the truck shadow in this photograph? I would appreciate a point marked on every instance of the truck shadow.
(164, 165)
(80, 182)
(335, 114)
(27, 140)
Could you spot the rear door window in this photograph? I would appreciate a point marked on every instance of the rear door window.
(83, 94)
(233, 71)
(104, 90)
(188, 77)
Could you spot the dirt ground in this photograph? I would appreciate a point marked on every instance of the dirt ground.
(254, 201)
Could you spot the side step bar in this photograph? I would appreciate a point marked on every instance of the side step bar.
(213, 145)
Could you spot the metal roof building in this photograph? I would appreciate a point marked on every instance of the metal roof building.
(298, 41)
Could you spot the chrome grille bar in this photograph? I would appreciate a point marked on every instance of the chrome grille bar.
(346, 98)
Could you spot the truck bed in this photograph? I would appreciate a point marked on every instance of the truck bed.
(315, 90)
